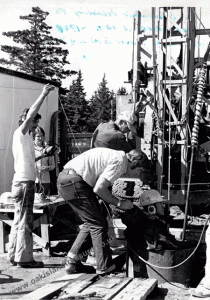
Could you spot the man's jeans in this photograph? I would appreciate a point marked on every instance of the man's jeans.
(20, 246)
(83, 201)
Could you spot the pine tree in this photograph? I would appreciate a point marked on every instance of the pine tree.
(40, 53)
(102, 104)
(77, 107)
(122, 91)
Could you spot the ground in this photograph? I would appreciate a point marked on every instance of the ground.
(16, 282)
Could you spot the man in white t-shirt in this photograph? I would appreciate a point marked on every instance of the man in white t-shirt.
(20, 249)
(83, 179)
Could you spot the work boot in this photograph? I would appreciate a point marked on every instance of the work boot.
(107, 271)
(73, 266)
(12, 262)
(30, 264)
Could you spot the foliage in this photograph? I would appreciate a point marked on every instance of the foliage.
(39, 53)
(122, 91)
(76, 106)
(102, 104)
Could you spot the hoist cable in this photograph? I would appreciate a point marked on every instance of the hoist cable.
(67, 120)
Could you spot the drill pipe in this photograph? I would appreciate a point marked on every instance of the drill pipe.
(194, 141)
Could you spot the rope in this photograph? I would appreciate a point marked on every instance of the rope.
(68, 123)
(184, 261)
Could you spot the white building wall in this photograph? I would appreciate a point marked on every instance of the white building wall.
(16, 94)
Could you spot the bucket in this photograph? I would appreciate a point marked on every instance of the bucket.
(164, 258)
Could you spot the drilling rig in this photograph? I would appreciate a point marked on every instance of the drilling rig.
(170, 83)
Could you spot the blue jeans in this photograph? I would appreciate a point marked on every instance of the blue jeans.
(84, 202)
(20, 246)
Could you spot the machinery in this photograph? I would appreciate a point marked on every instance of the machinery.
(170, 85)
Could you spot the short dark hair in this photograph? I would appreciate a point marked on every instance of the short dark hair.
(140, 159)
(24, 114)
(39, 130)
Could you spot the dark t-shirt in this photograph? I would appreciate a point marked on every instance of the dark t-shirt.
(108, 135)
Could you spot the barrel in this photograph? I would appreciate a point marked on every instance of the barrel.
(164, 258)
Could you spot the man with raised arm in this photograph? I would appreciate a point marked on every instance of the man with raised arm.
(20, 249)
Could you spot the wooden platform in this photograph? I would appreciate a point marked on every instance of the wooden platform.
(94, 287)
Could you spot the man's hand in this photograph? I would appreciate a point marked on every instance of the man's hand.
(102, 190)
(47, 88)
(47, 168)
(126, 205)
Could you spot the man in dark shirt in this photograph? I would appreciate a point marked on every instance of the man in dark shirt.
(113, 134)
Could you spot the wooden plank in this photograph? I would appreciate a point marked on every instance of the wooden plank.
(145, 52)
(2, 241)
(107, 288)
(172, 61)
(175, 24)
(138, 289)
(45, 233)
(129, 266)
(174, 39)
(75, 287)
(6, 219)
(168, 104)
(202, 31)
(50, 288)
(175, 81)
(12, 209)
(40, 241)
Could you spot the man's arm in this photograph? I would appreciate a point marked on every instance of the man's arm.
(35, 108)
(101, 189)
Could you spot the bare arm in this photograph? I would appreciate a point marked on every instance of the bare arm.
(35, 108)
(101, 189)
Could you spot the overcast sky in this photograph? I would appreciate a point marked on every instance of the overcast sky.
(99, 34)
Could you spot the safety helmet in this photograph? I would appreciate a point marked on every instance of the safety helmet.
(6, 198)
(130, 119)
(151, 197)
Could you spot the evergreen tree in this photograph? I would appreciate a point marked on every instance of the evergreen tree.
(102, 104)
(122, 91)
(40, 53)
(77, 107)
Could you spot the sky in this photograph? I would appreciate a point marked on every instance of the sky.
(98, 34)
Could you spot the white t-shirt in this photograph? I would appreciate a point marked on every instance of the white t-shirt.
(24, 156)
(99, 162)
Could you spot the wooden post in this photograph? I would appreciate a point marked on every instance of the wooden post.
(160, 97)
(2, 238)
(129, 264)
(45, 232)
(136, 53)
